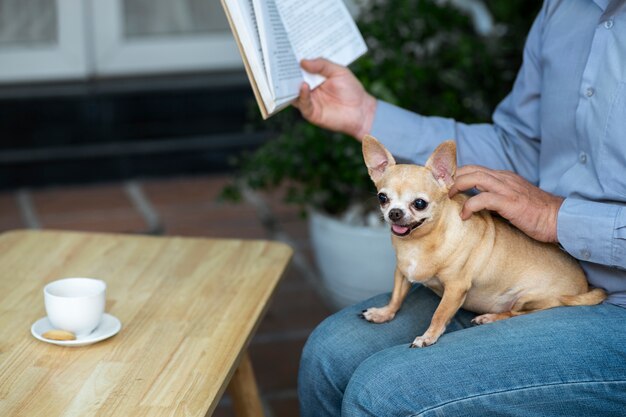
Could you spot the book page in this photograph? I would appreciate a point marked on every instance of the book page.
(249, 14)
(281, 66)
(321, 28)
(241, 16)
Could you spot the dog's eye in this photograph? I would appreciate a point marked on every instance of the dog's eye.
(382, 198)
(420, 204)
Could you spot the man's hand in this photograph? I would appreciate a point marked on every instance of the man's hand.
(529, 208)
(340, 103)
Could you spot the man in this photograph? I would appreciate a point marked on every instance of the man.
(562, 133)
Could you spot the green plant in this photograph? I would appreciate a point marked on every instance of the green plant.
(424, 55)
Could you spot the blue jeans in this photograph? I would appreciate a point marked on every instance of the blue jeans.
(566, 361)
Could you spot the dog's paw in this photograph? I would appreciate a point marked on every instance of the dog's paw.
(485, 318)
(377, 315)
(423, 341)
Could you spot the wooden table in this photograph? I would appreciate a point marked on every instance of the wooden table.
(188, 308)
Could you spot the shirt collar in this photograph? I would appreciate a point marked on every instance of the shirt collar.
(602, 3)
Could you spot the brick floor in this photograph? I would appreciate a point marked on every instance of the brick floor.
(10, 215)
(190, 207)
(101, 208)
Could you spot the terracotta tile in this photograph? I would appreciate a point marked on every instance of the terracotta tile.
(67, 201)
(309, 255)
(202, 193)
(184, 191)
(211, 221)
(194, 230)
(297, 229)
(276, 364)
(285, 407)
(120, 222)
(296, 306)
(276, 199)
(10, 216)
(101, 208)
(190, 207)
(293, 280)
(8, 205)
(223, 410)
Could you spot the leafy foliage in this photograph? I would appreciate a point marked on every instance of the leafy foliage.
(425, 56)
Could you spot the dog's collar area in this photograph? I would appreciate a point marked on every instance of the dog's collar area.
(405, 230)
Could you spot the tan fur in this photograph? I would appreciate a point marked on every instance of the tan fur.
(481, 264)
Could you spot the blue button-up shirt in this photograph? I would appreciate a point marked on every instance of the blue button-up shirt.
(562, 127)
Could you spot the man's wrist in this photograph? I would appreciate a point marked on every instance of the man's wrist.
(558, 202)
(364, 125)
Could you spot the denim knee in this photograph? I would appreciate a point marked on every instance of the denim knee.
(318, 357)
(400, 381)
(374, 387)
(331, 354)
(322, 376)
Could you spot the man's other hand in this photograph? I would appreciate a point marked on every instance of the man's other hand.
(529, 208)
(340, 103)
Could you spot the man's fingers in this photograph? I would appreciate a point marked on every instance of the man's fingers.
(321, 66)
(304, 102)
(469, 169)
(483, 201)
(482, 180)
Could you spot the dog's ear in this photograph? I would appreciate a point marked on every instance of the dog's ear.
(442, 163)
(377, 158)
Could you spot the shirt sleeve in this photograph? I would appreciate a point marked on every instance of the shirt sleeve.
(592, 231)
(511, 142)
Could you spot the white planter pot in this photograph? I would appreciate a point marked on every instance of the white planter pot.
(355, 262)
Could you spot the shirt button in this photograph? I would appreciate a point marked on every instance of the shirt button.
(608, 24)
(585, 254)
(582, 158)
(589, 92)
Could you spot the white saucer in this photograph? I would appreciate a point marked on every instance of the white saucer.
(109, 326)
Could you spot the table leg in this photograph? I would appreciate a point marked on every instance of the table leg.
(244, 391)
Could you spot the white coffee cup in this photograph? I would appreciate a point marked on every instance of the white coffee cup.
(75, 304)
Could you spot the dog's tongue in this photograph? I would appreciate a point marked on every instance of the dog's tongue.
(399, 229)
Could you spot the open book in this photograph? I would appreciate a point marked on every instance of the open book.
(273, 36)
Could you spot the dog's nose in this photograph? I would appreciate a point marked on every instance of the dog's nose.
(395, 214)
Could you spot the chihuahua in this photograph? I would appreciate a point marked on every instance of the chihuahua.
(482, 264)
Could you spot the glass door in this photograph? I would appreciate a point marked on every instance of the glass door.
(41, 40)
(156, 36)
